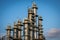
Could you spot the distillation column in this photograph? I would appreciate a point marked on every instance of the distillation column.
(26, 29)
(8, 32)
(34, 7)
(19, 24)
(41, 37)
(30, 13)
(15, 32)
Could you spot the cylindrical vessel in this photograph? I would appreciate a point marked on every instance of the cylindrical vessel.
(26, 30)
(15, 32)
(40, 28)
(19, 24)
(8, 32)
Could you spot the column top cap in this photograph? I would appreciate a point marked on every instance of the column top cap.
(34, 5)
(15, 25)
(30, 10)
(26, 19)
(19, 21)
(8, 27)
(40, 18)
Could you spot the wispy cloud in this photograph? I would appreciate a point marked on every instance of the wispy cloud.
(53, 34)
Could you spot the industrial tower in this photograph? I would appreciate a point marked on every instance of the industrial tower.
(32, 27)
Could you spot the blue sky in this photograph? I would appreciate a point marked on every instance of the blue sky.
(12, 10)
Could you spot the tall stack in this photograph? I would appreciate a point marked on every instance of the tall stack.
(32, 30)
(19, 24)
(8, 32)
(30, 13)
(26, 29)
(34, 7)
(15, 32)
(40, 28)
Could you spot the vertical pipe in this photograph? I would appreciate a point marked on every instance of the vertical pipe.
(34, 7)
(40, 28)
(15, 32)
(26, 30)
(8, 32)
(19, 24)
(30, 12)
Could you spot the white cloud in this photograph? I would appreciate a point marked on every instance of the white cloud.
(53, 33)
